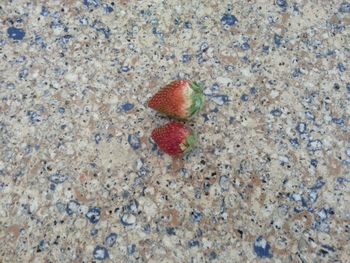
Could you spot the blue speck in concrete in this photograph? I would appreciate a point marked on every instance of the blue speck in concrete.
(108, 9)
(215, 87)
(97, 138)
(314, 145)
(322, 217)
(197, 193)
(220, 99)
(282, 4)
(278, 40)
(154, 145)
(155, 21)
(131, 207)
(92, 3)
(106, 31)
(204, 47)
(314, 162)
(57, 178)
(262, 248)
(199, 233)
(42, 246)
(212, 255)
(177, 21)
(342, 180)
(344, 7)
(131, 249)
(229, 20)
(64, 40)
(84, 21)
(100, 253)
(184, 172)
(170, 231)
(341, 67)
(147, 229)
(111, 239)
(296, 10)
(200, 58)
(196, 216)
(294, 142)
(318, 185)
(244, 97)
(272, 82)
(15, 33)
(276, 112)
(188, 25)
(33, 117)
(329, 248)
(215, 110)
(205, 117)
(134, 141)
(125, 68)
(93, 215)
(193, 243)
(127, 219)
(313, 195)
(309, 116)
(296, 73)
(229, 68)
(39, 41)
(93, 232)
(44, 11)
(253, 90)
(143, 171)
(245, 46)
(301, 127)
(127, 106)
(186, 58)
(28, 149)
(348, 151)
(72, 207)
(265, 49)
(23, 74)
(338, 121)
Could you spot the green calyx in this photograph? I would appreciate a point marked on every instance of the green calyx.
(189, 144)
(197, 99)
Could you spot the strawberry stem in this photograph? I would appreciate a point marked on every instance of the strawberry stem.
(190, 143)
(198, 88)
(197, 99)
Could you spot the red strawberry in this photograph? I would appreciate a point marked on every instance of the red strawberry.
(180, 99)
(174, 138)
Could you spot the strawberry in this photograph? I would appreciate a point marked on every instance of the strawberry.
(174, 138)
(180, 99)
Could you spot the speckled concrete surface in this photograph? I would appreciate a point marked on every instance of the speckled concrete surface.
(80, 180)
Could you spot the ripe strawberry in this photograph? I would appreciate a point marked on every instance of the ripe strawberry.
(174, 138)
(180, 99)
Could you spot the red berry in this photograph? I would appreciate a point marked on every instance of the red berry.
(174, 138)
(180, 99)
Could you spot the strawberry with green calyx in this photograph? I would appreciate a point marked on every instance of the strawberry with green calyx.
(180, 99)
(174, 139)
